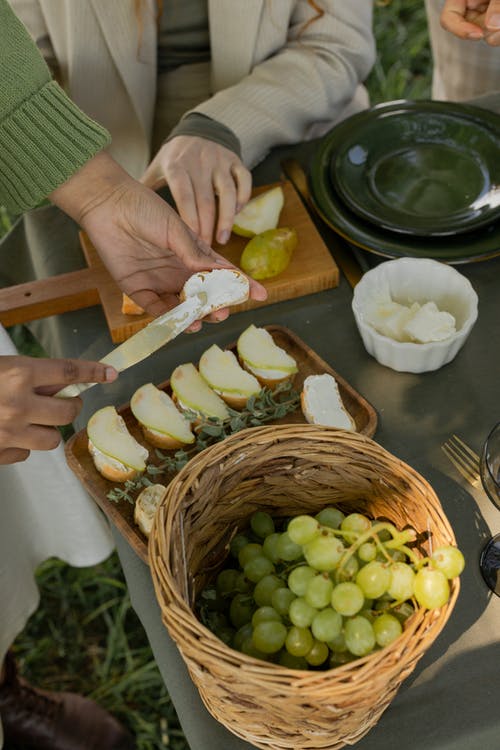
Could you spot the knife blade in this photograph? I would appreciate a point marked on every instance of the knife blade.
(160, 331)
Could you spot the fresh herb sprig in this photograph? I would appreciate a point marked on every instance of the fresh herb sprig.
(266, 406)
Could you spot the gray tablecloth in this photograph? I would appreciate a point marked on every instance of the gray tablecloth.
(449, 702)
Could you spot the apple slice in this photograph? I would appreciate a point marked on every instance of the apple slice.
(260, 213)
(162, 423)
(117, 455)
(225, 376)
(266, 360)
(322, 403)
(194, 394)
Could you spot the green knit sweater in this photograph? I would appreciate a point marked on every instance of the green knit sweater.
(44, 137)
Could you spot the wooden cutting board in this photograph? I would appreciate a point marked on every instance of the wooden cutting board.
(312, 269)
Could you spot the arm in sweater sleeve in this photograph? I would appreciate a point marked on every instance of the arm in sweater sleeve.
(310, 79)
(44, 137)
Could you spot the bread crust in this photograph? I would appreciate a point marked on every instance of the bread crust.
(111, 472)
(162, 441)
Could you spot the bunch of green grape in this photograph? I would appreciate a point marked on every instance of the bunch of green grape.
(317, 592)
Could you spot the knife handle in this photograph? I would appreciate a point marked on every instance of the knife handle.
(70, 391)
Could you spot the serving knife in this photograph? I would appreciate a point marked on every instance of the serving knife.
(158, 332)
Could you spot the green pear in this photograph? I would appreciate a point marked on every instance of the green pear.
(260, 213)
(193, 393)
(155, 410)
(268, 254)
(222, 371)
(108, 433)
(257, 348)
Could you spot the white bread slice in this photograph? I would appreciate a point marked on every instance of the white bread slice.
(322, 404)
(223, 373)
(116, 453)
(260, 355)
(146, 505)
(162, 423)
(191, 392)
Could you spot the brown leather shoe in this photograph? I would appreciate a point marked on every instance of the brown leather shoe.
(36, 719)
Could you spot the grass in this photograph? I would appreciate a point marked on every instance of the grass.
(85, 636)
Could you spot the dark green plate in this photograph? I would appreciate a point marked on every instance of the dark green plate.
(425, 168)
(481, 244)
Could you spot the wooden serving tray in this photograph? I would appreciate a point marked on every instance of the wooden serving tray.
(121, 514)
(312, 269)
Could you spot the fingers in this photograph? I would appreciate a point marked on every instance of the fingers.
(13, 456)
(453, 20)
(66, 371)
(153, 177)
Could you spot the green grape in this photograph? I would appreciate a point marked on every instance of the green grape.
(249, 648)
(386, 628)
(288, 550)
(303, 529)
(241, 610)
(265, 588)
(301, 613)
(242, 585)
(367, 613)
(338, 658)
(323, 553)
(262, 524)
(237, 543)
(319, 591)
(269, 636)
(281, 600)
(397, 555)
(298, 641)
(270, 547)
(226, 581)
(263, 614)
(299, 578)
(356, 522)
(401, 583)
(367, 552)
(241, 635)
(248, 552)
(449, 560)
(347, 599)
(359, 636)
(257, 568)
(331, 517)
(431, 588)
(292, 662)
(337, 644)
(374, 579)
(403, 611)
(326, 625)
(226, 634)
(384, 534)
(348, 570)
(318, 654)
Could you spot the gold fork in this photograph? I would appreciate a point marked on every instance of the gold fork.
(463, 458)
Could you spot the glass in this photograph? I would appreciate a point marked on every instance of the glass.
(489, 560)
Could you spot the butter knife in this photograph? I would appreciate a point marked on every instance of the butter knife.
(160, 331)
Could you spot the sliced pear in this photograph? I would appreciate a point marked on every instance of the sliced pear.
(257, 348)
(146, 505)
(322, 403)
(260, 213)
(268, 254)
(192, 392)
(162, 422)
(223, 373)
(223, 286)
(108, 434)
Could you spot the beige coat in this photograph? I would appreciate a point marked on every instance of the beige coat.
(272, 77)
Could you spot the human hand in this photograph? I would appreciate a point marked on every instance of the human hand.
(29, 413)
(473, 20)
(208, 182)
(146, 247)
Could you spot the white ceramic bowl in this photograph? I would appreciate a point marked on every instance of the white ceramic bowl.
(416, 280)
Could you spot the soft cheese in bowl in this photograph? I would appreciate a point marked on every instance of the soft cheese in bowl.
(414, 314)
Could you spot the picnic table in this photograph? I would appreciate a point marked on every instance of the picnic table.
(449, 701)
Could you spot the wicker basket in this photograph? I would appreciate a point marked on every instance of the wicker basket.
(287, 470)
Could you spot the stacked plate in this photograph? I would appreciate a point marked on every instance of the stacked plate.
(418, 179)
